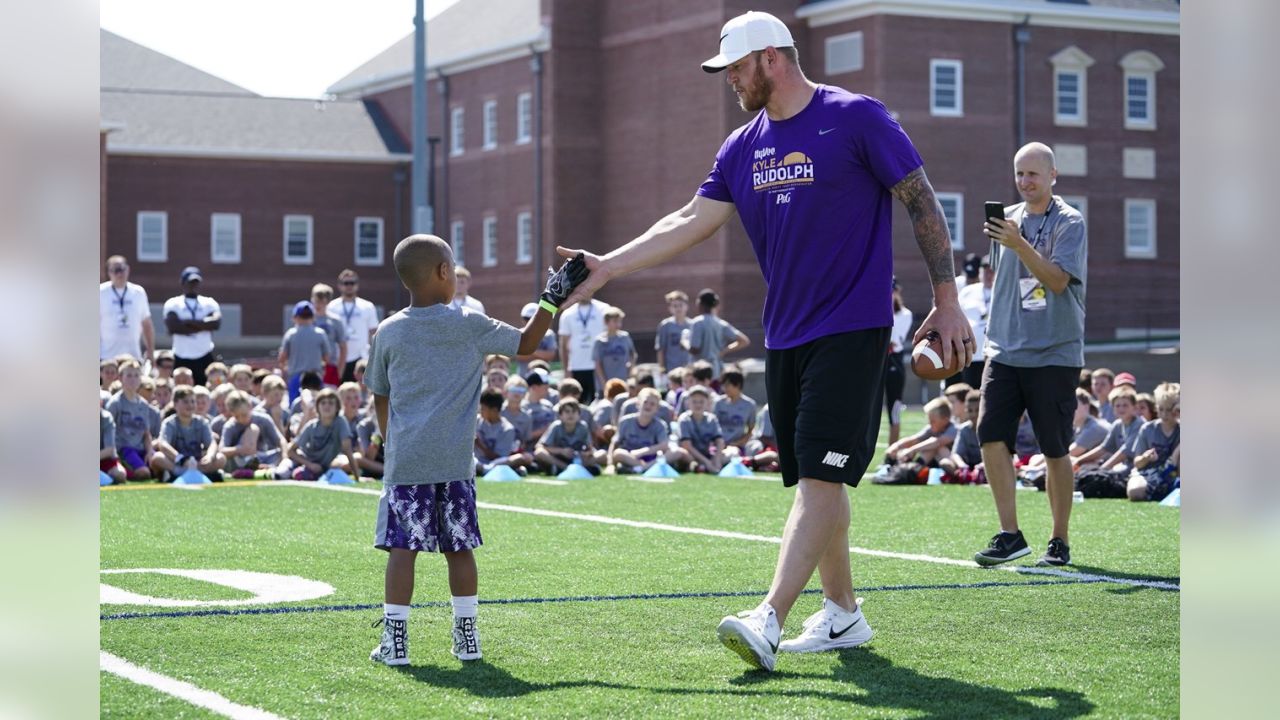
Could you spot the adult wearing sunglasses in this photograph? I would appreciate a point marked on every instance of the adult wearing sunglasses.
(124, 315)
(360, 318)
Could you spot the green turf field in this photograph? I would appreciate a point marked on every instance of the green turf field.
(585, 615)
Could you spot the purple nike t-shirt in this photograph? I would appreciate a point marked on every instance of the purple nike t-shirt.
(813, 194)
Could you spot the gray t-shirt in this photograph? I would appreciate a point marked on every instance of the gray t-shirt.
(764, 425)
(668, 341)
(948, 434)
(665, 412)
(364, 433)
(321, 444)
(702, 433)
(1152, 436)
(106, 430)
(613, 354)
(268, 435)
(1030, 325)
(558, 436)
(429, 362)
(1091, 433)
(499, 437)
(737, 417)
(306, 347)
(132, 418)
(602, 412)
(335, 331)
(156, 418)
(191, 439)
(633, 436)
(708, 337)
(967, 445)
(1106, 412)
(217, 424)
(521, 421)
(541, 414)
(1122, 436)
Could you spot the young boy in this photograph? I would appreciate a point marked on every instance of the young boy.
(613, 351)
(539, 408)
(736, 412)
(108, 372)
(567, 438)
(107, 461)
(274, 390)
(163, 365)
(711, 338)
(372, 457)
(241, 378)
(515, 392)
(643, 437)
(215, 375)
(571, 389)
(1156, 450)
(186, 441)
(204, 401)
(322, 440)
(928, 445)
(352, 410)
(250, 439)
(671, 354)
(336, 332)
(700, 434)
(132, 416)
(966, 452)
(163, 394)
(1146, 405)
(762, 451)
(958, 395)
(1117, 449)
(183, 376)
(1101, 382)
(304, 348)
(424, 371)
(497, 442)
(632, 404)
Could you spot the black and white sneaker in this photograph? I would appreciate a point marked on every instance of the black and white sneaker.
(394, 648)
(1003, 548)
(1059, 553)
(466, 639)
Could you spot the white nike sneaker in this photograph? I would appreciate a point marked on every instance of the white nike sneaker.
(394, 648)
(831, 628)
(753, 634)
(466, 639)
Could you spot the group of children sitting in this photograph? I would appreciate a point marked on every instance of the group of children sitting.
(1129, 440)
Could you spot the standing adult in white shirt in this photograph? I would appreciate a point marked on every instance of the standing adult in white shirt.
(360, 318)
(191, 319)
(124, 315)
(975, 301)
(579, 327)
(462, 287)
(895, 373)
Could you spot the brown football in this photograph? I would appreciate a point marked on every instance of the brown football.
(926, 359)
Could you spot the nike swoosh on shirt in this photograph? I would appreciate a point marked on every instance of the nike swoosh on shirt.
(832, 634)
(824, 132)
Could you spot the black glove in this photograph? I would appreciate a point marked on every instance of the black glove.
(561, 283)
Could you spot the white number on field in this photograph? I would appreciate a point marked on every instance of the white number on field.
(267, 588)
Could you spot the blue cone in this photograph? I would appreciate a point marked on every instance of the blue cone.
(501, 473)
(336, 477)
(1173, 499)
(575, 471)
(192, 477)
(661, 469)
(104, 479)
(735, 468)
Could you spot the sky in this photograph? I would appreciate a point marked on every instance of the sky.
(283, 48)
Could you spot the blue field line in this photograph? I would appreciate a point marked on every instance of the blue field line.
(573, 598)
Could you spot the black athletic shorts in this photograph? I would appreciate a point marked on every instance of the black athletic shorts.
(824, 401)
(1047, 394)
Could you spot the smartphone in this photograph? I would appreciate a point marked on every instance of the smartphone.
(994, 210)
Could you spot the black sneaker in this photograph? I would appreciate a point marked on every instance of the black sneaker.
(1059, 553)
(1003, 548)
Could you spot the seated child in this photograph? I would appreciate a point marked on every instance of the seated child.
(322, 440)
(964, 461)
(372, 457)
(107, 461)
(700, 434)
(147, 391)
(204, 402)
(1117, 450)
(218, 412)
(186, 441)
(303, 408)
(735, 411)
(250, 439)
(631, 405)
(958, 394)
(352, 410)
(215, 374)
(183, 376)
(132, 416)
(108, 372)
(241, 378)
(1090, 432)
(496, 440)
(1156, 451)
(515, 393)
(256, 386)
(762, 451)
(274, 391)
(496, 379)
(567, 439)
(932, 443)
(570, 388)
(163, 394)
(1146, 407)
(643, 437)
(603, 411)
(539, 407)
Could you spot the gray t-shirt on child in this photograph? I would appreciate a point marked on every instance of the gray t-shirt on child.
(558, 436)
(668, 341)
(1028, 324)
(633, 436)
(335, 331)
(132, 418)
(1151, 435)
(268, 436)
(106, 430)
(321, 444)
(764, 424)
(613, 354)
(541, 414)
(702, 433)
(1091, 434)
(967, 445)
(1122, 436)
(306, 347)
(193, 439)
(499, 437)
(709, 335)
(737, 417)
(666, 413)
(521, 421)
(429, 362)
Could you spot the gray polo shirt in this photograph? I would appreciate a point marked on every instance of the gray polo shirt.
(306, 346)
(541, 414)
(429, 362)
(1028, 324)
(335, 330)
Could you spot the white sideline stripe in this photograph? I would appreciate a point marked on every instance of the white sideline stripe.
(1021, 569)
(641, 478)
(206, 699)
(542, 481)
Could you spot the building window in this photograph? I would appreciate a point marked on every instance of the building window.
(1140, 228)
(946, 88)
(953, 210)
(456, 240)
(1140, 68)
(524, 118)
(490, 241)
(298, 240)
(456, 139)
(524, 238)
(224, 237)
(1070, 86)
(490, 124)
(368, 241)
(844, 53)
(153, 236)
(1081, 205)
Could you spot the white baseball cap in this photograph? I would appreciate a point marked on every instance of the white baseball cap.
(745, 34)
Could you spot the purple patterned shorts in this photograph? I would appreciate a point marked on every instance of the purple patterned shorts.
(428, 518)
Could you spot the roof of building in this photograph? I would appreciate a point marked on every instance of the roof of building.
(470, 31)
(1148, 16)
(153, 104)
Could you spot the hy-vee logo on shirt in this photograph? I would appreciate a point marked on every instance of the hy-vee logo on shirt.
(769, 172)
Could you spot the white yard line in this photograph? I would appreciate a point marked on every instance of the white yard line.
(182, 690)
(1021, 569)
(545, 481)
(659, 480)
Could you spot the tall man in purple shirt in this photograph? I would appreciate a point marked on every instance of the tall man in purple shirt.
(813, 179)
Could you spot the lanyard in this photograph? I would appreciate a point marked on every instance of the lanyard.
(192, 308)
(1043, 223)
(584, 319)
(120, 297)
(347, 314)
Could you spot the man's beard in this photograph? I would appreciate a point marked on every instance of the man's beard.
(756, 95)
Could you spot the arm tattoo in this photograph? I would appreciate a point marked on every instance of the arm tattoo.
(930, 225)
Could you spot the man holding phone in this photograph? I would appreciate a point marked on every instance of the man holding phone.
(1035, 347)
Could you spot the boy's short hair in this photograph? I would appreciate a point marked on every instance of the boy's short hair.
(108, 363)
(130, 363)
(939, 406)
(274, 382)
(161, 382)
(183, 392)
(675, 295)
(259, 375)
(349, 387)
(702, 371)
(732, 377)
(571, 387)
(238, 369)
(1085, 397)
(490, 359)
(644, 380)
(614, 387)
(960, 388)
(164, 355)
(676, 376)
(540, 364)
(1144, 397)
(491, 398)
(147, 383)
(708, 298)
(614, 313)
(182, 370)
(202, 390)
(649, 393)
(237, 399)
(460, 271)
(1086, 379)
(311, 381)
(973, 394)
(568, 404)
(1168, 395)
(1104, 372)
(700, 390)
(328, 394)
(321, 290)
(1122, 392)
(215, 367)
(515, 381)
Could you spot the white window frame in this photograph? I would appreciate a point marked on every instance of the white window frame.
(458, 241)
(490, 121)
(163, 255)
(1141, 64)
(1077, 62)
(355, 229)
(489, 241)
(524, 118)
(957, 233)
(234, 220)
(1142, 253)
(1080, 203)
(834, 40)
(934, 108)
(309, 258)
(457, 135)
(524, 238)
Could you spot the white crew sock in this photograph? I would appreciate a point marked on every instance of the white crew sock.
(464, 606)
(395, 612)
